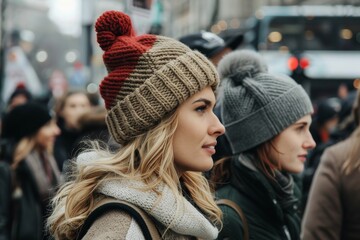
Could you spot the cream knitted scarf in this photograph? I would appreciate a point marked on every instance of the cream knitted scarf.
(180, 216)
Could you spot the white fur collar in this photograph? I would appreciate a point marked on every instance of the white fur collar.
(186, 221)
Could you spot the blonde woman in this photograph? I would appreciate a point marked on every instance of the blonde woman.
(30, 132)
(333, 210)
(159, 95)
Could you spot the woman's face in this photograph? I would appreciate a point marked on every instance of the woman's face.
(75, 105)
(292, 146)
(195, 137)
(46, 135)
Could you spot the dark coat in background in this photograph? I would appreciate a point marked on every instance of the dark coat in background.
(30, 189)
(64, 144)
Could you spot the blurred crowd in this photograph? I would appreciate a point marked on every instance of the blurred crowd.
(314, 199)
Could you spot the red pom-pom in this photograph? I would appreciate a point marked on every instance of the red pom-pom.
(110, 25)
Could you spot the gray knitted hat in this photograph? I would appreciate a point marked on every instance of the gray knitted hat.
(257, 105)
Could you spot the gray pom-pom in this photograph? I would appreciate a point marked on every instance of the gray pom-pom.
(240, 64)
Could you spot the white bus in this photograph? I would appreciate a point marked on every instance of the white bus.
(318, 45)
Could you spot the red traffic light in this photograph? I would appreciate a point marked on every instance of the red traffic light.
(304, 63)
(293, 63)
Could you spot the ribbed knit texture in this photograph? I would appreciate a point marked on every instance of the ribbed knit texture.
(181, 216)
(149, 76)
(257, 105)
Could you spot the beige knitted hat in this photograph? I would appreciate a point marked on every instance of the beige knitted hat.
(149, 76)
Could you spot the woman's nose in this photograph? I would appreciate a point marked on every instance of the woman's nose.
(217, 128)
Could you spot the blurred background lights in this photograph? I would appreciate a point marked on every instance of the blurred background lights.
(346, 34)
(215, 29)
(92, 88)
(259, 14)
(70, 56)
(41, 56)
(235, 23)
(275, 37)
(222, 25)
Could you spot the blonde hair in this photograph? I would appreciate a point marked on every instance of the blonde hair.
(22, 149)
(148, 158)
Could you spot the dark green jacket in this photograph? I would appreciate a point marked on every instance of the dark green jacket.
(266, 217)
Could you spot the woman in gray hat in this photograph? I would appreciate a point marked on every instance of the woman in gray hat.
(267, 119)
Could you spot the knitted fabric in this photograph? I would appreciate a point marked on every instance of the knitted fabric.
(257, 105)
(181, 216)
(149, 76)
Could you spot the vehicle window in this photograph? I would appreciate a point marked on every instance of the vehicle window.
(312, 33)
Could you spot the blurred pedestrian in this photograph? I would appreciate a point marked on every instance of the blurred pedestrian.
(159, 96)
(30, 133)
(211, 45)
(69, 108)
(343, 129)
(92, 126)
(325, 120)
(20, 96)
(267, 119)
(333, 210)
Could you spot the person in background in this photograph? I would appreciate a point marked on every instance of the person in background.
(92, 126)
(20, 96)
(69, 108)
(333, 210)
(267, 119)
(211, 45)
(325, 120)
(159, 96)
(344, 128)
(30, 132)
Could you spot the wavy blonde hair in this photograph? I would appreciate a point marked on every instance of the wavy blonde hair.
(148, 158)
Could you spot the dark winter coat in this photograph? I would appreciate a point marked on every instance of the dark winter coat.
(30, 191)
(64, 144)
(268, 215)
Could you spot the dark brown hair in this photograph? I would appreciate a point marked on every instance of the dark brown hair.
(222, 170)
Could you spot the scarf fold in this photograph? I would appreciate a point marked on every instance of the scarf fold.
(47, 176)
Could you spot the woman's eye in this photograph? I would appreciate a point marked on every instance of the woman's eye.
(201, 108)
(301, 128)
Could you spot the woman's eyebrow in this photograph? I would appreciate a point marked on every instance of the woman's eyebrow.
(204, 100)
(302, 123)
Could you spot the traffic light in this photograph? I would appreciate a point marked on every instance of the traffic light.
(297, 64)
